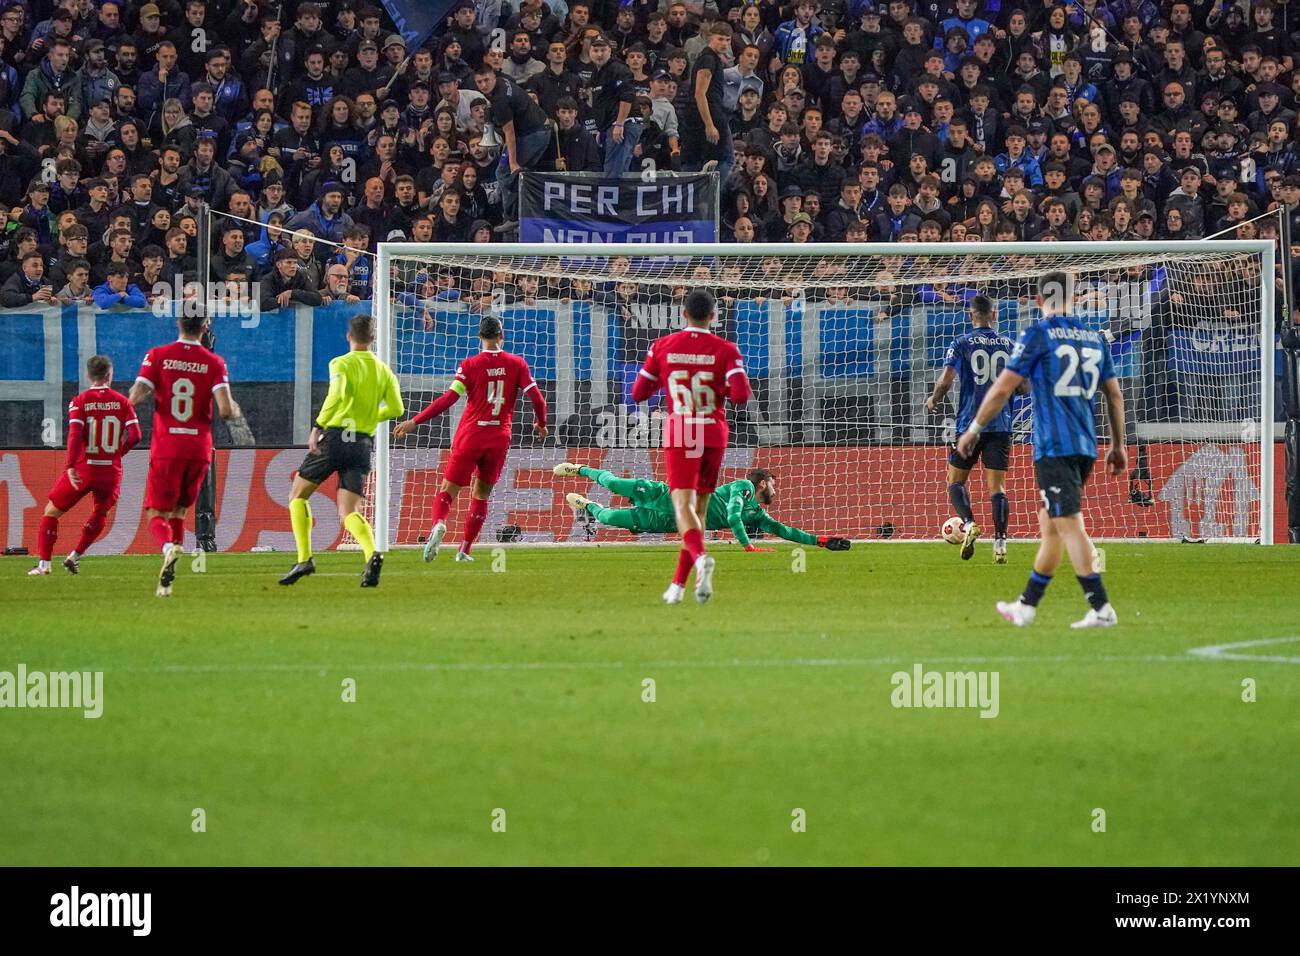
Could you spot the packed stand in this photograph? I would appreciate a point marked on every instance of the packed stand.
(320, 133)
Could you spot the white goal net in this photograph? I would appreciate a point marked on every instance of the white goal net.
(842, 344)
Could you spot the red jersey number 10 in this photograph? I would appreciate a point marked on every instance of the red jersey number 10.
(103, 435)
(692, 394)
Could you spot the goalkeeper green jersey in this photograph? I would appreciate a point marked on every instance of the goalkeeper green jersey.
(363, 392)
(733, 506)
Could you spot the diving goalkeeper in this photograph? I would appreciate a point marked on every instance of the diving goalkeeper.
(738, 506)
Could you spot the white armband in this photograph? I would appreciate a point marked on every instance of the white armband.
(974, 427)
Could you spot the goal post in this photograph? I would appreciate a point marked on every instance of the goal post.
(843, 343)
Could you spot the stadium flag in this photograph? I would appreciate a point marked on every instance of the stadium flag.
(591, 207)
(416, 21)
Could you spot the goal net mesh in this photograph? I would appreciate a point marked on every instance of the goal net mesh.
(842, 352)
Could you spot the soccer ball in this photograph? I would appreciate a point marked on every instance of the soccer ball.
(952, 530)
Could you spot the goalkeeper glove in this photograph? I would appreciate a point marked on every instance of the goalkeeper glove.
(833, 544)
(750, 547)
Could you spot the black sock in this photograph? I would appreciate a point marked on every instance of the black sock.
(1001, 511)
(960, 499)
(1094, 591)
(1034, 589)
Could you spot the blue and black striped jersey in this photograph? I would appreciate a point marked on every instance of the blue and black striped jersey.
(1065, 363)
(979, 356)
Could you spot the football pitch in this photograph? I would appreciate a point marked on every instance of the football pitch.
(541, 706)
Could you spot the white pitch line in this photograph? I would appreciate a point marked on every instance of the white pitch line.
(1222, 652)
(433, 666)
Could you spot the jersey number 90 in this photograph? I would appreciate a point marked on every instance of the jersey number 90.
(986, 366)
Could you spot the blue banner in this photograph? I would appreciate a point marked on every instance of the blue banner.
(416, 21)
(590, 207)
(1216, 351)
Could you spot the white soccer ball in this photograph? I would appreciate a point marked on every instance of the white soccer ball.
(952, 530)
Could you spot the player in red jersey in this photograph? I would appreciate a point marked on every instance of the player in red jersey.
(184, 378)
(699, 371)
(492, 380)
(102, 427)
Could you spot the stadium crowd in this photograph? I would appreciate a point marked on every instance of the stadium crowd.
(827, 121)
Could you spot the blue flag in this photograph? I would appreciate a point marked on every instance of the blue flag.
(416, 21)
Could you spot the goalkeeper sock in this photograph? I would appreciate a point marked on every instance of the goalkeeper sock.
(178, 530)
(693, 541)
(300, 518)
(359, 528)
(1033, 592)
(90, 531)
(49, 533)
(960, 499)
(684, 564)
(1094, 591)
(441, 507)
(161, 531)
(1001, 511)
(478, 509)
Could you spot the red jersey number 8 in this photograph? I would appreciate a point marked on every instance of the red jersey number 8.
(697, 398)
(182, 399)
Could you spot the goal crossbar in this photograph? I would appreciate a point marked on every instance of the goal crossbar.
(1076, 256)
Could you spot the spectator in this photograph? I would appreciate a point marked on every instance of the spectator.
(27, 285)
(284, 285)
(117, 290)
(576, 150)
(706, 126)
(76, 288)
(231, 255)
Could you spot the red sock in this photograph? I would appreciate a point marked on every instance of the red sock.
(684, 565)
(441, 506)
(178, 530)
(693, 541)
(90, 531)
(474, 523)
(161, 531)
(46, 537)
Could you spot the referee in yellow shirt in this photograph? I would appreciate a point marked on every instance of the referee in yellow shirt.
(363, 392)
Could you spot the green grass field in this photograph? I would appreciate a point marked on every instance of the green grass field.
(521, 689)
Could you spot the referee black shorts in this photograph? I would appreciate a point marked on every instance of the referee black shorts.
(1061, 482)
(993, 448)
(341, 452)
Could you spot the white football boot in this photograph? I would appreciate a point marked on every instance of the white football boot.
(704, 578)
(435, 540)
(674, 594)
(171, 554)
(1021, 615)
(1106, 617)
(577, 502)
